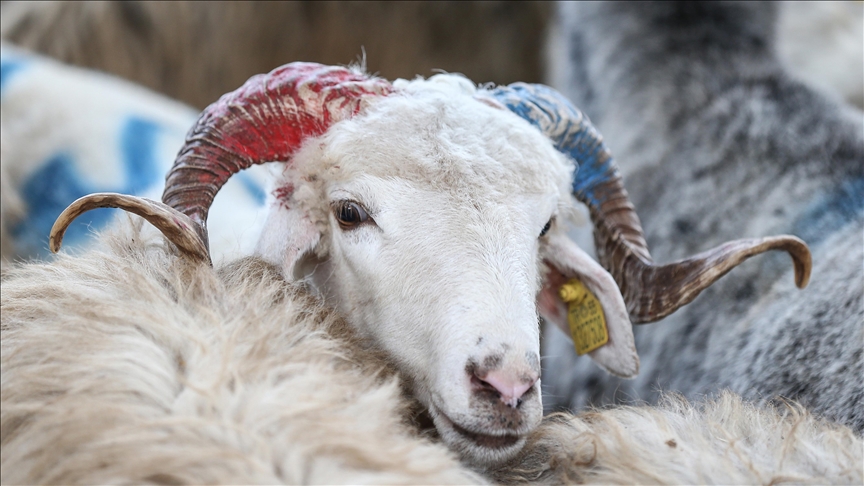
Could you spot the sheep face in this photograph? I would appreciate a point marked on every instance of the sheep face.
(424, 212)
(423, 221)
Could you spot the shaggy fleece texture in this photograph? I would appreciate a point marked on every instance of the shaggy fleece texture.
(717, 141)
(11, 206)
(130, 365)
(722, 441)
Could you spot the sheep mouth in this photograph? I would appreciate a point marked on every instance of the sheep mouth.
(487, 441)
(484, 441)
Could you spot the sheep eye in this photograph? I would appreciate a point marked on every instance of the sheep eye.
(546, 228)
(350, 214)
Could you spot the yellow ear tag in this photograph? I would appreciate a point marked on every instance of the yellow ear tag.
(585, 316)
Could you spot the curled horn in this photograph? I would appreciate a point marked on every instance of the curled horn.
(176, 226)
(265, 120)
(650, 291)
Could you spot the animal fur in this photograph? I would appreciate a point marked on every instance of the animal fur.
(11, 205)
(722, 441)
(821, 42)
(129, 364)
(68, 132)
(716, 139)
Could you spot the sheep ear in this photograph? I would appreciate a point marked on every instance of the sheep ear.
(565, 261)
(288, 236)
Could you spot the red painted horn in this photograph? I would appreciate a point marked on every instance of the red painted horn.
(265, 120)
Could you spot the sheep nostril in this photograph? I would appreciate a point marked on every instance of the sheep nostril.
(479, 384)
(506, 386)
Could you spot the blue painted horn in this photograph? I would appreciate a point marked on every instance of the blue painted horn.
(651, 291)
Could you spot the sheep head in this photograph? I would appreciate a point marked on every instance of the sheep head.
(428, 212)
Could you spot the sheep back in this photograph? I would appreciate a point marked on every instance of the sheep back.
(130, 364)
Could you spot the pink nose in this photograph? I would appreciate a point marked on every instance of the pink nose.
(510, 386)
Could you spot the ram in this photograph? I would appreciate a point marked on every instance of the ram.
(429, 213)
(724, 141)
(129, 363)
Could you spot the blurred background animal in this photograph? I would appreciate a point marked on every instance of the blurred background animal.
(68, 132)
(716, 138)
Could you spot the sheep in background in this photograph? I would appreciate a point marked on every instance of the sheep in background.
(11, 206)
(130, 363)
(820, 42)
(68, 132)
(719, 140)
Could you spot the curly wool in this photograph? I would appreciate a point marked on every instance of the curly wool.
(722, 142)
(722, 441)
(130, 365)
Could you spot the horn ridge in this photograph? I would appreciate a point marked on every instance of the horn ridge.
(265, 120)
(682, 281)
(650, 291)
(597, 181)
(177, 227)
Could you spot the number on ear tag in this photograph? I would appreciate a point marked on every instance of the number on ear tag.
(585, 317)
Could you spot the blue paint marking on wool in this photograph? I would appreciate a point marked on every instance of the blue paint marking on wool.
(46, 194)
(252, 188)
(9, 67)
(49, 190)
(523, 111)
(551, 112)
(831, 211)
(138, 139)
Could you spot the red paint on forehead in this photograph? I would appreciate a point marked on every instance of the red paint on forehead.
(265, 120)
(271, 115)
(283, 194)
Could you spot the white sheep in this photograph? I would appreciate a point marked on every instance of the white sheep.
(68, 132)
(724, 141)
(426, 212)
(131, 364)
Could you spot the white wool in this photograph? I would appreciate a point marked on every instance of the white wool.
(721, 441)
(454, 84)
(11, 206)
(132, 366)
